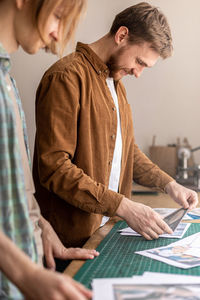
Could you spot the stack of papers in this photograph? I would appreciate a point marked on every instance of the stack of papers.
(183, 254)
(175, 218)
(166, 211)
(194, 213)
(172, 217)
(178, 233)
(149, 286)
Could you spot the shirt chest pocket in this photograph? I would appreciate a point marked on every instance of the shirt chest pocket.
(103, 113)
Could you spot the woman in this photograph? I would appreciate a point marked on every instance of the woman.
(31, 24)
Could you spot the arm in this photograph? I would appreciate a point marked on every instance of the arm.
(138, 216)
(146, 221)
(27, 276)
(142, 219)
(54, 248)
(182, 195)
(147, 173)
(57, 117)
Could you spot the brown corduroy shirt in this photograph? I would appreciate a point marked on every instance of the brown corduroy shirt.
(76, 128)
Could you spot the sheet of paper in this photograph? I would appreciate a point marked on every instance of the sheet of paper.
(175, 218)
(163, 211)
(170, 277)
(150, 291)
(178, 233)
(194, 213)
(103, 287)
(176, 254)
(140, 287)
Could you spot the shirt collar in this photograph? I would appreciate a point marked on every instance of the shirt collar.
(94, 60)
(4, 60)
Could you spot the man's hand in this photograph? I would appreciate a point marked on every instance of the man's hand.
(142, 219)
(54, 248)
(44, 284)
(180, 194)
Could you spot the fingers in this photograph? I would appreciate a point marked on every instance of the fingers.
(155, 231)
(86, 292)
(185, 204)
(145, 221)
(185, 197)
(156, 228)
(87, 253)
(71, 292)
(193, 200)
(78, 288)
(79, 253)
(192, 206)
(184, 201)
(164, 227)
(151, 235)
(49, 259)
(159, 226)
(189, 202)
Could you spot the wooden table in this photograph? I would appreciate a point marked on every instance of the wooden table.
(159, 200)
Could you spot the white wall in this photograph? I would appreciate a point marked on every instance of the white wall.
(165, 99)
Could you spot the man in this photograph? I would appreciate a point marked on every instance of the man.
(32, 24)
(85, 153)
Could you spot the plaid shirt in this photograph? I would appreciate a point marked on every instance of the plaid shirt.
(14, 216)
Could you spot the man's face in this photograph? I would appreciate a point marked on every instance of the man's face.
(131, 60)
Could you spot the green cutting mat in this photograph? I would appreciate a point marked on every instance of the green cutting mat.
(117, 257)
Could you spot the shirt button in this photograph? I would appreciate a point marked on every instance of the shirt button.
(109, 162)
(113, 108)
(113, 136)
(99, 72)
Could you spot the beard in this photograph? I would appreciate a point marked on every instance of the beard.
(113, 63)
(114, 66)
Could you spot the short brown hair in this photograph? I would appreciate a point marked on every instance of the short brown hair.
(146, 24)
(42, 9)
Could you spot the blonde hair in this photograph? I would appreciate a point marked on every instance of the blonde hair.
(72, 10)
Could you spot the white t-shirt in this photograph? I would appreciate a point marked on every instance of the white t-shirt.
(117, 156)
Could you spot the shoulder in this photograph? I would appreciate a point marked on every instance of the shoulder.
(70, 67)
